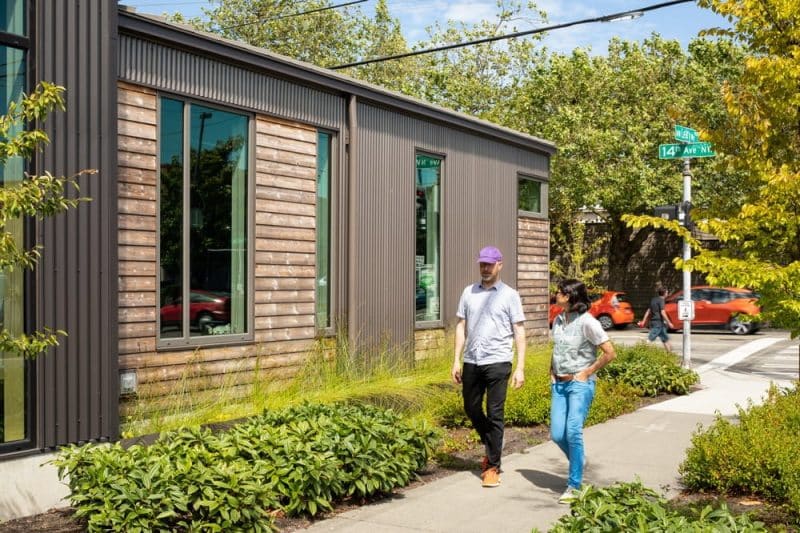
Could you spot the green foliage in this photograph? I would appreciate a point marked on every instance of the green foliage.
(576, 256)
(299, 460)
(650, 370)
(25, 195)
(634, 507)
(756, 456)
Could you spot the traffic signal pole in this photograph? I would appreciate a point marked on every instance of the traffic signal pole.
(686, 361)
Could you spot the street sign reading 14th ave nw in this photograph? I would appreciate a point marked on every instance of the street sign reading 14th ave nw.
(682, 151)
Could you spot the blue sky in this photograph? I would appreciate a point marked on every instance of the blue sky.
(681, 22)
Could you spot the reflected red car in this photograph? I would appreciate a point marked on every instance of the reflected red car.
(718, 306)
(610, 308)
(206, 309)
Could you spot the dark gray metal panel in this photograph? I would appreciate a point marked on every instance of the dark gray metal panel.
(479, 207)
(77, 383)
(175, 70)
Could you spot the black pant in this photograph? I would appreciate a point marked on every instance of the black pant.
(493, 381)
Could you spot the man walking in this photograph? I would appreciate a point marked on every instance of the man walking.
(659, 321)
(490, 317)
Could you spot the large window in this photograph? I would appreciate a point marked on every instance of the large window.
(323, 280)
(203, 222)
(14, 405)
(427, 260)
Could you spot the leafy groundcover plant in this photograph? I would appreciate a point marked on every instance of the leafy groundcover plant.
(299, 460)
(758, 455)
(633, 507)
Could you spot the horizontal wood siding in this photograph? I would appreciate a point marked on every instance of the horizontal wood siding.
(429, 342)
(284, 262)
(533, 274)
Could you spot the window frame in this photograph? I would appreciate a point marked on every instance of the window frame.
(333, 162)
(183, 342)
(438, 322)
(543, 205)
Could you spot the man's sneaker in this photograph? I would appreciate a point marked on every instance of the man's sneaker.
(491, 478)
(568, 496)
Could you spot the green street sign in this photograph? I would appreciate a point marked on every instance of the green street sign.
(682, 133)
(685, 151)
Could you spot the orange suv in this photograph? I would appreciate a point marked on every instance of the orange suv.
(718, 306)
(610, 308)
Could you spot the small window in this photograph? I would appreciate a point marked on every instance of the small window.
(427, 220)
(530, 195)
(323, 281)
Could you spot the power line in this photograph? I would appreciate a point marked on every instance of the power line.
(633, 13)
(317, 10)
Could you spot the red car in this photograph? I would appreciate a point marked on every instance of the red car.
(610, 308)
(206, 309)
(718, 306)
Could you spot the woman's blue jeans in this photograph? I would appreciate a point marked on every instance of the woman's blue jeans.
(570, 402)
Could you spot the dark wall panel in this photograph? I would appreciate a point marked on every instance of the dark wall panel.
(479, 207)
(76, 282)
(171, 69)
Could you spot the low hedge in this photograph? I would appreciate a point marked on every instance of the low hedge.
(299, 460)
(633, 507)
(757, 455)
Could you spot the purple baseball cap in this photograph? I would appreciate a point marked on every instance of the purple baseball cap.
(489, 254)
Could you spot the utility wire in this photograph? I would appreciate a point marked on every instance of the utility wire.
(317, 10)
(605, 18)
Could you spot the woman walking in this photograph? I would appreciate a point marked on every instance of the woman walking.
(577, 335)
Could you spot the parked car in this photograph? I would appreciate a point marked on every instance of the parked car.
(718, 306)
(610, 308)
(206, 309)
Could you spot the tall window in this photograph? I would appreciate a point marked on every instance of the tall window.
(529, 195)
(323, 281)
(427, 262)
(13, 379)
(203, 224)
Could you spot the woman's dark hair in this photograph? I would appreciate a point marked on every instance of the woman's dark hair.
(578, 296)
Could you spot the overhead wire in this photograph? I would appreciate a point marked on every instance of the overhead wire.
(604, 18)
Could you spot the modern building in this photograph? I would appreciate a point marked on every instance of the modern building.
(287, 203)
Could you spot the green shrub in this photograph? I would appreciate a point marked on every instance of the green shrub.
(650, 369)
(633, 507)
(299, 460)
(758, 455)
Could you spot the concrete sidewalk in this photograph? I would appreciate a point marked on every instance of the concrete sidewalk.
(649, 444)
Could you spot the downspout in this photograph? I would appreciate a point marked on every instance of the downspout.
(352, 144)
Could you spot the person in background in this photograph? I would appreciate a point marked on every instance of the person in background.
(577, 336)
(659, 321)
(490, 320)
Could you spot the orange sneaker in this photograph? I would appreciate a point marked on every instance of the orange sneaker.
(491, 478)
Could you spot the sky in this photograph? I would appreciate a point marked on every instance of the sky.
(681, 22)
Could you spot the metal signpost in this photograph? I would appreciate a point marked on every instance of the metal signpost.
(689, 148)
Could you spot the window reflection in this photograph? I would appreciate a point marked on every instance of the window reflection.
(428, 178)
(214, 278)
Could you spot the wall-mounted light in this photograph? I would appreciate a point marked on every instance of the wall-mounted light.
(127, 382)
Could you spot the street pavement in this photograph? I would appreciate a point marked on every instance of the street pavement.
(648, 444)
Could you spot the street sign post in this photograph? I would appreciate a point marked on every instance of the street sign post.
(686, 150)
(688, 135)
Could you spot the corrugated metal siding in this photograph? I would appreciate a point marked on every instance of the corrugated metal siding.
(77, 383)
(479, 207)
(174, 70)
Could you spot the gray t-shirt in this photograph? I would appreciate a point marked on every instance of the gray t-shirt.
(490, 315)
(575, 342)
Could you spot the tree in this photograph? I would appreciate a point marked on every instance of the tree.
(325, 38)
(607, 115)
(29, 196)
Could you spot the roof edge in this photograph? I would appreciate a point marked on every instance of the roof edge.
(156, 27)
